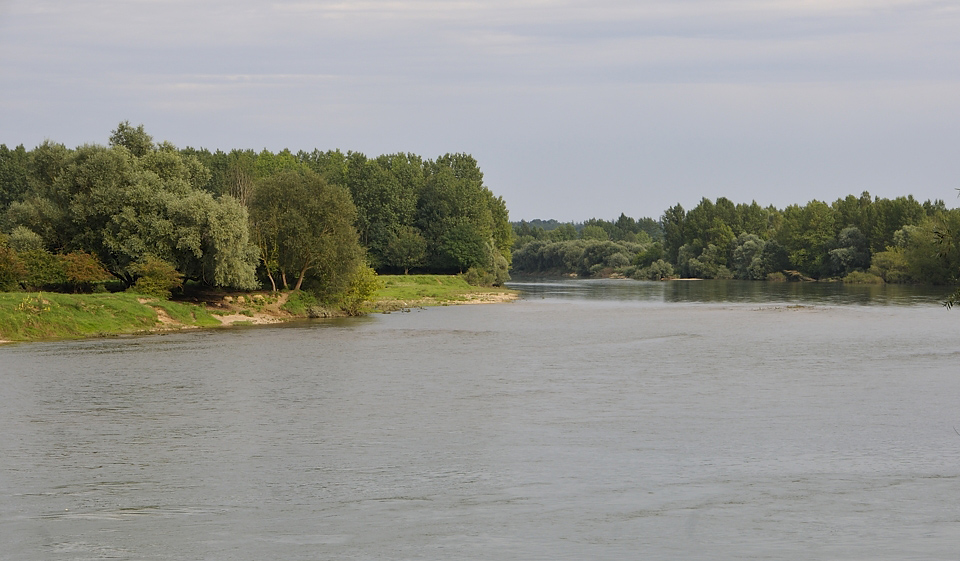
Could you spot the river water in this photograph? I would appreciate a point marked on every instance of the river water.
(589, 420)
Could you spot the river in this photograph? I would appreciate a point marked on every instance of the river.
(588, 420)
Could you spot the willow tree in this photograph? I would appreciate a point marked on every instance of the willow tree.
(133, 200)
(305, 229)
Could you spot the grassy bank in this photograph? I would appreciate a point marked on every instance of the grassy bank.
(406, 291)
(28, 316)
(32, 316)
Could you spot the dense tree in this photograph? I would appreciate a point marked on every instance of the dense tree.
(673, 222)
(406, 249)
(134, 139)
(121, 207)
(852, 252)
(305, 228)
(14, 166)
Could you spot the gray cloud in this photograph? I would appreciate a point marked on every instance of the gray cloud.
(574, 109)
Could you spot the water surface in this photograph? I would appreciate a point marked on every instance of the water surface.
(590, 420)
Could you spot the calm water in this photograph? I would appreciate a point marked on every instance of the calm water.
(591, 420)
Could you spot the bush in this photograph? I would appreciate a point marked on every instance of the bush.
(658, 270)
(44, 270)
(24, 239)
(299, 303)
(12, 270)
(363, 285)
(859, 277)
(157, 278)
(84, 271)
(777, 277)
(475, 276)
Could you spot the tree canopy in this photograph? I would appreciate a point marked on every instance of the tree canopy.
(241, 218)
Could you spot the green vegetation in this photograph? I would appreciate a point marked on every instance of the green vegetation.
(186, 314)
(430, 290)
(45, 315)
(154, 218)
(860, 239)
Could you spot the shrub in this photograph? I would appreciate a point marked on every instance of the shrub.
(658, 270)
(859, 277)
(475, 276)
(83, 271)
(43, 270)
(157, 278)
(363, 285)
(777, 277)
(299, 303)
(24, 239)
(12, 270)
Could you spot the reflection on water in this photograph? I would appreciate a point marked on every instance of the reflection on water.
(590, 420)
(809, 293)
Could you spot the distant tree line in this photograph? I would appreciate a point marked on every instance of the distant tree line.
(241, 219)
(860, 239)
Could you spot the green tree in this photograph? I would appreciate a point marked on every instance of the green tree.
(307, 226)
(808, 233)
(83, 271)
(746, 261)
(852, 252)
(44, 270)
(120, 207)
(13, 176)
(363, 285)
(406, 249)
(12, 270)
(673, 222)
(156, 277)
(134, 139)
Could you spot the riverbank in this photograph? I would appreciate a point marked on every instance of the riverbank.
(416, 291)
(31, 316)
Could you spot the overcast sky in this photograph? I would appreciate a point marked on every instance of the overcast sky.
(574, 109)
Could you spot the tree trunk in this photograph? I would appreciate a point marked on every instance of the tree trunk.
(300, 280)
(303, 273)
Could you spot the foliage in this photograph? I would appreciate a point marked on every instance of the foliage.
(363, 286)
(658, 270)
(24, 239)
(156, 278)
(83, 271)
(860, 277)
(852, 253)
(132, 199)
(476, 276)
(406, 249)
(899, 240)
(12, 270)
(44, 270)
(299, 303)
(305, 229)
(134, 139)
(14, 183)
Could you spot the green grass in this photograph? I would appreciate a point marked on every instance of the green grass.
(27, 316)
(428, 289)
(187, 314)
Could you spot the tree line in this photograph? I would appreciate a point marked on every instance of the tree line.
(317, 221)
(860, 239)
